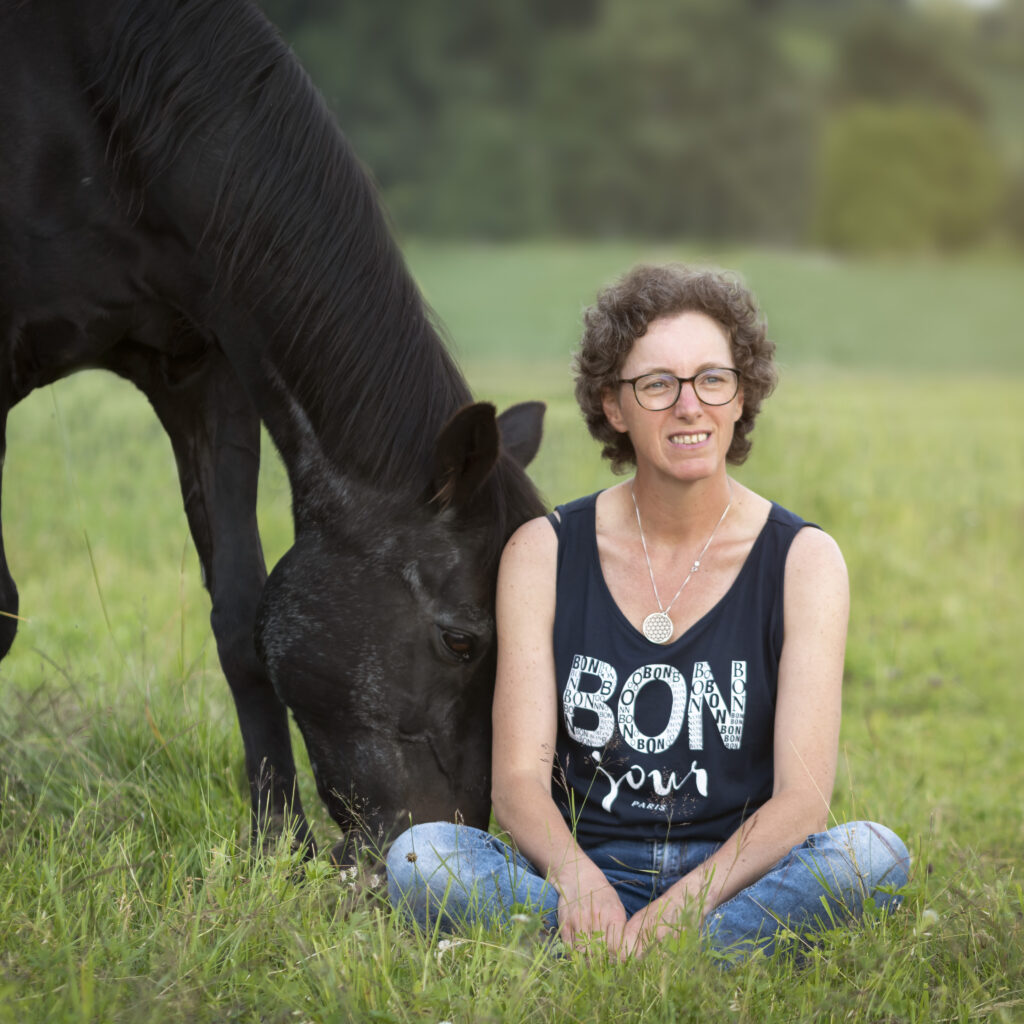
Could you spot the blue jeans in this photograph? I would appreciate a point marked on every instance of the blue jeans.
(454, 875)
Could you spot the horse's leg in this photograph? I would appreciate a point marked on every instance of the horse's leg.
(8, 591)
(215, 434)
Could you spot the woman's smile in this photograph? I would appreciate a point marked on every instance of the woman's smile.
(689, 440)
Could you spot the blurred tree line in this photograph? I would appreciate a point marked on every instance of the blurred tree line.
(863, 125)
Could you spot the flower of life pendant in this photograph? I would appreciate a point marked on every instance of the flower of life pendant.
(658, 628)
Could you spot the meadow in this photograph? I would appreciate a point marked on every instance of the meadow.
(127, 892)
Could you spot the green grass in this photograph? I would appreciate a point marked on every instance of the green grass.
(520, 304)
(125, 891)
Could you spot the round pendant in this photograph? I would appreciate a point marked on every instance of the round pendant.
(658, 628)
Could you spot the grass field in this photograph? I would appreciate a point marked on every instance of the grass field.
(125, 890)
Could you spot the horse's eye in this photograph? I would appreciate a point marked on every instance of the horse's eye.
(459, 645)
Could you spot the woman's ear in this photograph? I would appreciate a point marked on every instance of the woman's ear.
(612, 409)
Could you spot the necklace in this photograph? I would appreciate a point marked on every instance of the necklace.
(658, 626)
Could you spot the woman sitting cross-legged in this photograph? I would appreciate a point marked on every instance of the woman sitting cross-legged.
(670, 660)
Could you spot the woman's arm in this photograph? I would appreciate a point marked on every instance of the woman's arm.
(525, 725)
(806, 741)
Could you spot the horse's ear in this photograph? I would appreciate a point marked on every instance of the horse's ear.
(521, 427)
(466, 451)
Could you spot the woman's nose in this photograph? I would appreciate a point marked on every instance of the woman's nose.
(687, 403)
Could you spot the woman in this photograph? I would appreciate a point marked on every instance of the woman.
(670, 659)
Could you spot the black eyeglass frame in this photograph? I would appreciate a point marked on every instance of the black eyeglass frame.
(680, 381)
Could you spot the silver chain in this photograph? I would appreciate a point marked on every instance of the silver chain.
(696, 564)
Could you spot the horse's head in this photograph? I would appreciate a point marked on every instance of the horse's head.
(377, 628)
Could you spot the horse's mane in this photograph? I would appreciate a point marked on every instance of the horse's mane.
(291, 224)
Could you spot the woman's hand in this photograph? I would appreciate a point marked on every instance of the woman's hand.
(660, 918)
(592, 914)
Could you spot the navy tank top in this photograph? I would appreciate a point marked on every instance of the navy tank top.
(665, 741)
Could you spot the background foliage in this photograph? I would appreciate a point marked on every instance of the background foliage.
(762, 120)
(905, 177)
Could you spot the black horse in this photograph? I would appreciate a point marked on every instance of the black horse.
(177, 206)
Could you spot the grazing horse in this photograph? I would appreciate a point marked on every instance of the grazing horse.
(177, 206)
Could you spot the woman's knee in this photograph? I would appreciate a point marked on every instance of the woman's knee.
(877, 854)
(417, 854)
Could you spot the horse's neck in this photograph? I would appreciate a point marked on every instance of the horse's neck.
(346, 400)
(302, 281)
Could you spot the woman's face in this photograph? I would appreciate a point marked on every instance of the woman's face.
(689, 440)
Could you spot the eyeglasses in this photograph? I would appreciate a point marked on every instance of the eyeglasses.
(657, 391)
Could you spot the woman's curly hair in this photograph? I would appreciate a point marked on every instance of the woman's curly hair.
(623, 312)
